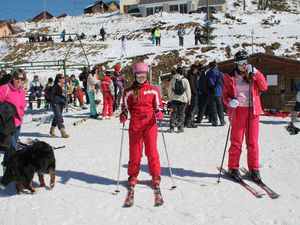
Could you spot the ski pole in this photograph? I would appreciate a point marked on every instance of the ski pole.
(228, 132)
(121, 147)
(170, 170)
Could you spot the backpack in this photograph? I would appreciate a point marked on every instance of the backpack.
(48, 93)
(179, 88)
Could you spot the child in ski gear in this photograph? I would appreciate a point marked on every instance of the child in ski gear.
(157, 35)
(13, 93)
(241, 95)
(178, 102)
(143, 102)
(77, 91)
(58, 103)
(47, 92)
(108, 91)
(118, 86)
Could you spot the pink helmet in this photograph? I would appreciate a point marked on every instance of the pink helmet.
(140, 68)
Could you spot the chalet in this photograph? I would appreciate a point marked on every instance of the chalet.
(280, 72)
(43, 15)
(6, 28)
(62, 15)
(102, 7)
(113, 6)
(150, 7)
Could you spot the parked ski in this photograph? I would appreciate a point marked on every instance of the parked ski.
(79, 122)
(158, 199)
(129, 200)
(252, 190)
(272, 194)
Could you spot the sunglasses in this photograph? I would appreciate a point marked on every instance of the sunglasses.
(62, 78)
(19, 78)
(242, 62)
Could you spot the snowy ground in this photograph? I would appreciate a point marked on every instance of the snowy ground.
(87, 174)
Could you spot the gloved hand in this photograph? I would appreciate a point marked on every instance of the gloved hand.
(249, 69)
(123, 116)
(233, 103)
(159, 115)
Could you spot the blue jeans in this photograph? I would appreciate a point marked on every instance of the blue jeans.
(13, 144)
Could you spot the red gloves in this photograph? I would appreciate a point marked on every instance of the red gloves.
(123, 116)
(159, 116)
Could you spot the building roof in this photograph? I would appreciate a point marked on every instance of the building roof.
(8, 24)
(144, 2)
(95, 3)
(265, 55)
(111, 2)
(41, 14)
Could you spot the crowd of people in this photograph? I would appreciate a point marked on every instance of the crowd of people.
(194, 93)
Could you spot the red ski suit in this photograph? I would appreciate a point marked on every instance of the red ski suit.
(108, 98)
(143, 128)
(239, 123)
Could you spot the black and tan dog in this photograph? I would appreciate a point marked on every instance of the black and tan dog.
(21, 166)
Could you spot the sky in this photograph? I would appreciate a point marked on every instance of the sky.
(23, 10)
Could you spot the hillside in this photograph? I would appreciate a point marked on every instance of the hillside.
(274, 32)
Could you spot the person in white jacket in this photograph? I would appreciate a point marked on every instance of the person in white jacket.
(91, 82)
(179, 102)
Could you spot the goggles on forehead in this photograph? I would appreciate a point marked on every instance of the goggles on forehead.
(242, 62)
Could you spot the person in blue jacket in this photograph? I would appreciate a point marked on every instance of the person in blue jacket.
(215, 86)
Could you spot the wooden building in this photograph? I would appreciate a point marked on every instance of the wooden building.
(281, 73)
(43, 15)
(6, 28)
(113, 6)
(96, 7)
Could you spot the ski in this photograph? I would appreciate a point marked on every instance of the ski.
(79, 122)
(252, 190)
(158, 199)
(129, 200)
(272, 194)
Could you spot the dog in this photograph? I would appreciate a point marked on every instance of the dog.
(21, 166)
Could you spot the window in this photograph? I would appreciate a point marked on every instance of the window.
(183, 8)
(173, 8)
(149, 11)
(157, 9)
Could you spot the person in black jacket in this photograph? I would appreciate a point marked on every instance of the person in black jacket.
(58, 103)
(83, 77)
(189, 116)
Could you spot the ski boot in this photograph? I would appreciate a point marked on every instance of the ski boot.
(256, 176)
(235, 174)
(156, 181)
(132, 181)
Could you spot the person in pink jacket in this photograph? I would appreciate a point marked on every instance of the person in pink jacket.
(14, 93)
(244, 108)
(143, 102)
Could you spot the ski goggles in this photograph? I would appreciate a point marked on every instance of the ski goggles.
(141, 75)
(242, 62)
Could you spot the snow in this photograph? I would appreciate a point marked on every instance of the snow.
(87, 176)
(87, 167)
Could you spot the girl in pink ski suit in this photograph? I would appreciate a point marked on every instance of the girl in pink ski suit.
(143, 102)
(236, 97)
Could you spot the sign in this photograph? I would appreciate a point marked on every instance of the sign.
(272, 80)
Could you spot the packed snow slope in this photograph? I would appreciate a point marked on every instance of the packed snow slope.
(87, 176)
